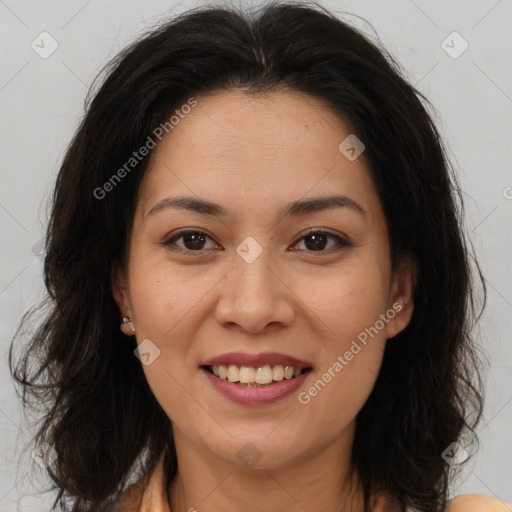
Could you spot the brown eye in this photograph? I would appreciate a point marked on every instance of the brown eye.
(316, 241)
(193, 241)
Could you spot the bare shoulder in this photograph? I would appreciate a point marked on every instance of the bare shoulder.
(477, 503)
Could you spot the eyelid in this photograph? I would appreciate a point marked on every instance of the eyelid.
(168, 241)
(342, 240)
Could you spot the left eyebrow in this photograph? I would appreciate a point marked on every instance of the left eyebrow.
(294, 209)
(306, 206)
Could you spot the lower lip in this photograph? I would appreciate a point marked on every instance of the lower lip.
(258, 395)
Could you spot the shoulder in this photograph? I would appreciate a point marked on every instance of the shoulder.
(477, 503)
(130, 500)
(149, 493)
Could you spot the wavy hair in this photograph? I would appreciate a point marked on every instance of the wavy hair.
(81, 368)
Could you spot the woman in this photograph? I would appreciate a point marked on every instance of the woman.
(260, 286)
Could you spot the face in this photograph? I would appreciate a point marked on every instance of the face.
(254, 283)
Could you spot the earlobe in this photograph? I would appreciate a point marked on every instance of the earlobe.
(121, 296)
(127, 326)
(402, 295)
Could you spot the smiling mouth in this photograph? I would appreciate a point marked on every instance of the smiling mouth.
(255, 377)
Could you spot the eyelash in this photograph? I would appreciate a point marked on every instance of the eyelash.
(169, 242)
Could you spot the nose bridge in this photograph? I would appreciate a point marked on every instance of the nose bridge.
(254, 297)
(252, 274)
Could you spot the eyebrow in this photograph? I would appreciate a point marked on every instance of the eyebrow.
(293, 209)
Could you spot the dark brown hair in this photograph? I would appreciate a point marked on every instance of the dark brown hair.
(98, 412)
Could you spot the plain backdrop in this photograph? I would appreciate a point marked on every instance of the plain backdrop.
(467, 76)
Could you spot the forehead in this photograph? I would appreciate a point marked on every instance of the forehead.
(276, 126)
(259, 148)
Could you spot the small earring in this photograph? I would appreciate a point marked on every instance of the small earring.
(125, 328)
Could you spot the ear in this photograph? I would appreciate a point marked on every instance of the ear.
(402, 295)
(120, 290)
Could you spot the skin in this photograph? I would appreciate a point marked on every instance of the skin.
(254, 154)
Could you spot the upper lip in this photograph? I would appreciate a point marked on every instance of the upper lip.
(256, 360)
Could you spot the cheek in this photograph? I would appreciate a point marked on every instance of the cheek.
(351, 348)
(166, 303)
(350, 300)
(164, 294)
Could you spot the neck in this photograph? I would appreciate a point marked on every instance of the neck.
(313, 482)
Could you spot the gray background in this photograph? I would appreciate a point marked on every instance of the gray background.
(41, 102)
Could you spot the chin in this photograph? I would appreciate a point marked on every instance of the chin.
(259, 452)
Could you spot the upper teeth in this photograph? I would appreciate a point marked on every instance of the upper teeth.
(262, 375)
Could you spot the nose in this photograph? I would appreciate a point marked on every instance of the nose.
(255, 297)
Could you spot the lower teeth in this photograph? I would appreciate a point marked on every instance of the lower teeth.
(256, 385)
(253, 384)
